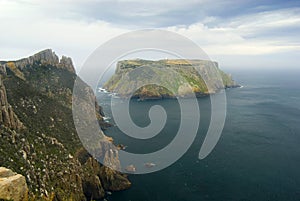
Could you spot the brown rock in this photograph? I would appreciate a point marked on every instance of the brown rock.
(66, 63)
(4, 172)
(113, 180)
(92, 187)
(44, 57)
(12, 186)
(2, 70)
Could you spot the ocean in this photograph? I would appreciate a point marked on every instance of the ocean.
(256, 159)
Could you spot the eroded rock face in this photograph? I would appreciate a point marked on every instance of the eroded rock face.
(12, 186)
(7, 116)
(44, 57)
(66, 62)
(113, 180)
(2, 70)
(109, 178)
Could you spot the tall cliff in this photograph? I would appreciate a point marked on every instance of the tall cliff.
(38, 138)
(174, 77)
(7, 116)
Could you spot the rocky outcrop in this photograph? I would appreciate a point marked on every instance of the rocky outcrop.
(92, 187)
(66, 63)
(113, 181)
(45, 57)
(106, 178)
(2, 70)
(7, 116)
(12, 186)
(169, 78)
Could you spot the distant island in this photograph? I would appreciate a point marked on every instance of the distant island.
(180, 76)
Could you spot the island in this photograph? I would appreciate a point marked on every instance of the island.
(170, 77)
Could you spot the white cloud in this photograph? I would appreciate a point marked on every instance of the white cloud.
(231, 37)
(25, 34)
(28, 27)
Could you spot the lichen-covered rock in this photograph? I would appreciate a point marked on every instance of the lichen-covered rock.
(12, 186)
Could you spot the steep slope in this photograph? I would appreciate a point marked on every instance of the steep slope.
(175, 75)
(44, 146)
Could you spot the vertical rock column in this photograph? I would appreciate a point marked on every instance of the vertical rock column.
(7, 116)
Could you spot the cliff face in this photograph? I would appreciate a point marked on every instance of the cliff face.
(45, 57)
(7, 116)
(38, 138)
(179, 78)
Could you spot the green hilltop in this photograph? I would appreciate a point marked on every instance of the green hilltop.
(169, 78)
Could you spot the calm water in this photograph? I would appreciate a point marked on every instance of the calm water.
(257, 157)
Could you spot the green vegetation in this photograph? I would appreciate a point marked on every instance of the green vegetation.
(41, 151)
(46, 151)
(167, 78)
(12, 67)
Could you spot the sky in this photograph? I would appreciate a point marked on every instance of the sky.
(236, 33)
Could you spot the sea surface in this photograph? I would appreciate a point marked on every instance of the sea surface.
(257, 157)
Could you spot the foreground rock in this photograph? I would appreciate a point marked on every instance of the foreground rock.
(12, 186)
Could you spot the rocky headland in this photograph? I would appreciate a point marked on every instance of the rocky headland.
(38, 138)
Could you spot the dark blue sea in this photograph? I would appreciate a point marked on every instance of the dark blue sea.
(257, 157)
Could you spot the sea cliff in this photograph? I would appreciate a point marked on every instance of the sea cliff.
(174, 77)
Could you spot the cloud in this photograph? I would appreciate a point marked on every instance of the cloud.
(254, 34)
(25, 34)
(76, 28)
(134, 13)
